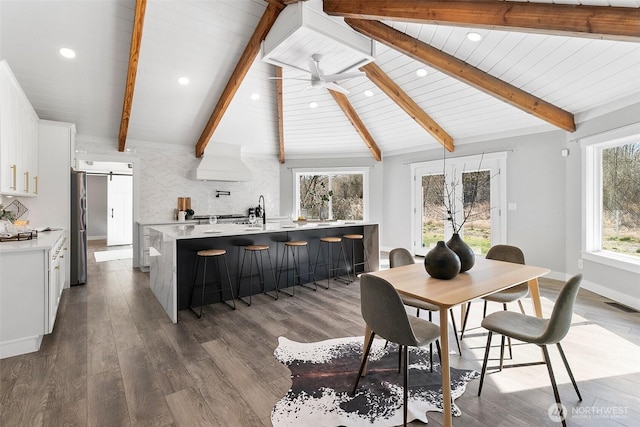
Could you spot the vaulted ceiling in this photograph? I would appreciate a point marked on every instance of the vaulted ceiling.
(528, 76)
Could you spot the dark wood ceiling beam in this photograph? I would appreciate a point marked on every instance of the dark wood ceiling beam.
(246, 60)
(132, 71)
(464, 72)
(602, 22)
(279, 86)
(400, 97)
(353, 117)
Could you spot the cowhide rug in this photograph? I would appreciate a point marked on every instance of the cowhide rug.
(323, 374)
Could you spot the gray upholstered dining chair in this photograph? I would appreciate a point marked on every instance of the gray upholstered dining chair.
(515, 293)
(534, 330)
(384, 313)
(401, 256)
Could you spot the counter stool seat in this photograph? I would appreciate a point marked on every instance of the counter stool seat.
(204, 255)
(292, 247)
(365, 262)
(253, 251)
(328, 262)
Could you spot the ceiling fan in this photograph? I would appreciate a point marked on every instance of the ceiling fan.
(319, 79)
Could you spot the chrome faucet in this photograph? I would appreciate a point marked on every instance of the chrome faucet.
(264, 212)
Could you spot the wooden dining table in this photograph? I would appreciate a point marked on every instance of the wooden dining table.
(486, 277)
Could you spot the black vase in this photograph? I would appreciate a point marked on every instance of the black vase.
(441, 262)
(464, 252)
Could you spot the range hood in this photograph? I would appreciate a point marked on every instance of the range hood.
(223, 162)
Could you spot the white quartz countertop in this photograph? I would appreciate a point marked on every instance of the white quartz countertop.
(192, 231)
(168, 222)
(44, 241)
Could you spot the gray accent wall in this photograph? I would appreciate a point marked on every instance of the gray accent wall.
(535, 182)
(376, 181)
(547, 189)
(620, 285)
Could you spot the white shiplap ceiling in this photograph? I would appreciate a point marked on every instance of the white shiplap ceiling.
(203, 40)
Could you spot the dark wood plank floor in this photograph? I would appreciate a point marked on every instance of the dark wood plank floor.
(114, 358)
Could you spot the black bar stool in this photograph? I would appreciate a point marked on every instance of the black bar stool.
(253, 255)
(292, 248)
(353, 238)
(330, 242)
(204, 255)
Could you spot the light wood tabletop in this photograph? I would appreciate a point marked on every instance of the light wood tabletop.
(485, 278)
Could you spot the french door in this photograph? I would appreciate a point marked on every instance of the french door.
(469, 192)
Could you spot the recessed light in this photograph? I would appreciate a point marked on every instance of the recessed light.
(313, 104)
(421, 72)
(368, 92)
(67, 53)
(183, 80)
(474, 37)
(255, 96)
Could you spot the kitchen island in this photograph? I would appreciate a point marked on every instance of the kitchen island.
(173, 249)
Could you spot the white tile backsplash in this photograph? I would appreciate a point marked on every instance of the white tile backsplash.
(164, 175)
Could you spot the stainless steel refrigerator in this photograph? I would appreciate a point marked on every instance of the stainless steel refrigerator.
(78, 228)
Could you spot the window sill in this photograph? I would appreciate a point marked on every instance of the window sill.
(614, 260)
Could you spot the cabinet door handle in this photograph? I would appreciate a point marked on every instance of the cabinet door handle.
(112, 213)
(35, 183)
(14, 171)
(26, 181)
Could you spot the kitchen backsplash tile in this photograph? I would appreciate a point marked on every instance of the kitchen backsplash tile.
(165, 175)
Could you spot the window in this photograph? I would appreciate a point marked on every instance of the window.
(475, 185)
(612, 195)
(331, 194)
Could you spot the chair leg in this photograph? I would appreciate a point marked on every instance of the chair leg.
(504, 307)
(484, 310)
(400, 358)
(406, 383)
(502, 351)
(363, 363)
(439, 351)
(464, 322)
(566, 365)
(556, 394)
(455, 331)
(521, 307)
(484, 363)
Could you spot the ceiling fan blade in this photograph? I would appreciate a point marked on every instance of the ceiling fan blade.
(336, 87)
(314, 69)
(343, 76)
(289, 78)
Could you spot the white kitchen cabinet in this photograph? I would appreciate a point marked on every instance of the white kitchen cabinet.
(57, 278)
(52, 207)
(30, 290)
(18, 138)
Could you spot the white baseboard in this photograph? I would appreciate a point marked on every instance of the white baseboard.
(619, 297)
(96, 237)
(20, 346)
